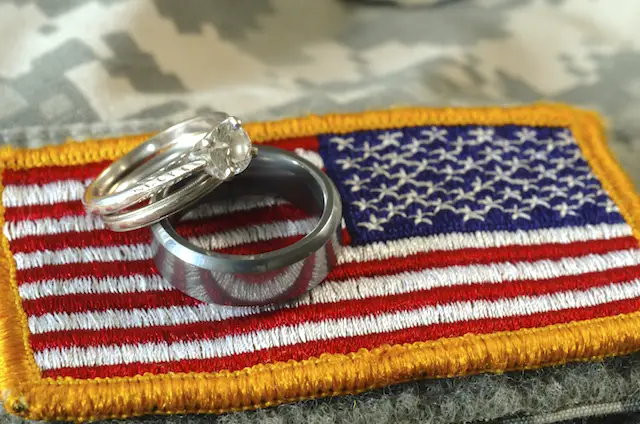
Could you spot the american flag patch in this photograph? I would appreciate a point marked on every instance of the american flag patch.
(505, 221)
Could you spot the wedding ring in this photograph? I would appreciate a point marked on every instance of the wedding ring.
(198, 155)
(265, 278)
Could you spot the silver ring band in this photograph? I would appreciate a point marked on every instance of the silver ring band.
(265, 278)
(178, 155)
(115, 184)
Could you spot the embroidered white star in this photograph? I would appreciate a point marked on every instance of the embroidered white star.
(402, 177)
(468, 214)
(390, 139)
(435, 133)
(536, 154)
(527, 185)
(411, 197)
(355, 182)
(508, 192)
(534, 201)
(439, 205)
(430, 187)
(610, 206)
(451, 174)
(525, 134)
(478, 185)
(499, 173)
(571, 181)
(490, 203)
(364, 204)
(517, 213)
(385, 191)
(506, 145)
(491, 154)
(549, 174)
(414, 146)
(468, 164)
(566, 139)
(582, 199)
(561, 162)
(554, 191)
(342, 142)
(564, 209)
(374, 224)
(393, 210)
(379, 169)
(348, 163)
(443, 155)
(421, 218)
(482, 134)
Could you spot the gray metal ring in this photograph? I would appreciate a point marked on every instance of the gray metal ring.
(264, 278)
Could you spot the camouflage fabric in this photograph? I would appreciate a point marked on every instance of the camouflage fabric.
(102, 61)
(85, 68)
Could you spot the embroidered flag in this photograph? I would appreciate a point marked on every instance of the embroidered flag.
(450, 230)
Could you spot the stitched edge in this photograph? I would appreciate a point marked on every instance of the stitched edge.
(17, 362)
(575, 413)
(330, 374)
(87, 151)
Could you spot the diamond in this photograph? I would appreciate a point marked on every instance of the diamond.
(226, 149)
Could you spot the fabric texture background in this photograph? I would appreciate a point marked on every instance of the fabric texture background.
(102, 67)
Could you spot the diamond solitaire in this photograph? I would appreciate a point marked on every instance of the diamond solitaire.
(226, 150)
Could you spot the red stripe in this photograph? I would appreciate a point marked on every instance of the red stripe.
(94, 238)
(92, 269)
(415, 262)
(190, 228)
(287, 316)
(307, 143)
(56, 211)
(310, 349)
(99, 302)
(50, 174)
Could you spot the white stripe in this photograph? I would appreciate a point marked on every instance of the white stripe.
(137, 252)
(331, 329)
(72, 255)
(48, 226)
(483, 239)
(72, 190)
(336, 291)
(312, 157)
(348, 254)
(86, 285)
(84, 223)
(45, 194)
(135, 318)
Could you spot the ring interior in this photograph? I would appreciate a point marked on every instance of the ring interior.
(296, 181)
